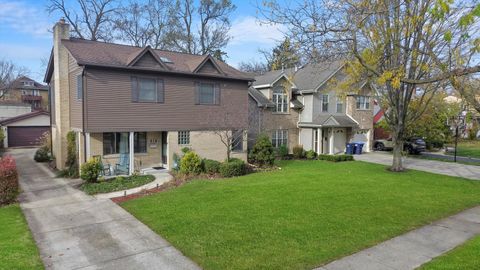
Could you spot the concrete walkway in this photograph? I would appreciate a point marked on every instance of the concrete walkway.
(439, 167)
(77, 231)
(414, 248)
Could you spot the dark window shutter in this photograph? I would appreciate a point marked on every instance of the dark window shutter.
(217, 94)
(79, 87)
(134, 89)
(160, 91)
(197, 93)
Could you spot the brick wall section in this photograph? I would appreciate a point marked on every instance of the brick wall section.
(75, 104)
(363, 117)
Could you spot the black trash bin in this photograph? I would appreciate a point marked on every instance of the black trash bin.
(350, 149)
(358, 148)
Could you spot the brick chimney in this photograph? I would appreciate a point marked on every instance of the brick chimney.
(61, 125)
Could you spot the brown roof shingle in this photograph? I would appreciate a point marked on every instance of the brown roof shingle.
(88, 52)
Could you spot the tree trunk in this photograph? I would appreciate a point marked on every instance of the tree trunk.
(397, 163)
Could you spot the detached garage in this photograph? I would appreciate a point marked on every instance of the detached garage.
(26, 129)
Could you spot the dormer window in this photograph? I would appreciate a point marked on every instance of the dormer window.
(280, 99)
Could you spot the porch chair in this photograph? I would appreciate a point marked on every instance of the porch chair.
(105, 169)
(122, 167)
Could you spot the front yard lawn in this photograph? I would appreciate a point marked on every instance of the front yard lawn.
(466, 256)
(302, 216)
(116, 184)
(17, 248)
(468, 149)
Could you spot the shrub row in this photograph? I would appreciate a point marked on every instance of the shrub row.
(192, 164)
(8, 180)
(335, 158)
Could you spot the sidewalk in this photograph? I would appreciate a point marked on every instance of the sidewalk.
(75, 231)
(411, 250)
(446, 168)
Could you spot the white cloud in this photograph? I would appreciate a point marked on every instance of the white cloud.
(249, 30)
(23, 17)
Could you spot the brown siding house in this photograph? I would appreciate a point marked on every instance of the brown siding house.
(142, 103)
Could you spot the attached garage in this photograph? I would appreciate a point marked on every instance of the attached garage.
(25, 130)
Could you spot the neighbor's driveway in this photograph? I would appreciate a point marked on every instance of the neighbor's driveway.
(439, 167)
(77, 231)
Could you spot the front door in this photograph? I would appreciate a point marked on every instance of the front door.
(325, 141)
(164, 147)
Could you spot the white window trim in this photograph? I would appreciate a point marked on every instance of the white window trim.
(362, 105)
(328, 102)
(339, 102)
(280, 135)
(280, 99)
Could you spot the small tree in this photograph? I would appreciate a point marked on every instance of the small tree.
(231, 139)
(263, 152)
(71, 162)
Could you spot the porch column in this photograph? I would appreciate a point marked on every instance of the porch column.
(131, 153)
(331, 142)
(319, 140)
(87, 145)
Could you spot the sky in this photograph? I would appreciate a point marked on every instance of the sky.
(26, 39)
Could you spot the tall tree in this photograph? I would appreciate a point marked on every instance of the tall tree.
(9, 72)
(254, 67)
(285, 55)
(90, 19)
(406, 47)
(201, 29)
(132, 24)
(160, 20)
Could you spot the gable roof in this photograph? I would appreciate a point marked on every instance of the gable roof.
(208, 58)
(101, 54)
(135, 57)
(262, 101)
(309, 77)
(330, 120)
(18, 84)
(23, 117)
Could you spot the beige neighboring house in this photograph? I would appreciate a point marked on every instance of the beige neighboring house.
(141, 103)
(25, 90)
(298, 107)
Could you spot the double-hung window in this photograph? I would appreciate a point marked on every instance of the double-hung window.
(184, 137)
(339, 105)
(118, 143)
(280, 137)
(363, 102)
(237, 140)
(207, 93)
(280, 99)
(145, 89)
(325, 103)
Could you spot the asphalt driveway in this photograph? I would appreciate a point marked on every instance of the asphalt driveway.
(439, 167)
(77, 231)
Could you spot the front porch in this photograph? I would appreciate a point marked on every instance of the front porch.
(124, 153)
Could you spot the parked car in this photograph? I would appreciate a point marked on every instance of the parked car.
(413, 145)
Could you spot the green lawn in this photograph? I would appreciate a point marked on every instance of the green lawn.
(466, 256)
(302, 216)
(17, 248)
(116, 184)
(468, 149)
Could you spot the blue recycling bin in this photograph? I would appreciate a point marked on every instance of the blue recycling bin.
(358, 148)
(350, 149)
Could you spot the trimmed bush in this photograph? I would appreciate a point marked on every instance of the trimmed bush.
(335, 158)
(282, 151)
(71, 162)
(191, 163)
(8, 180)
(263, 153)
(298, 151)
(211, 166)
(90, 170)
(232, 168)
(310, 154)
(42, 155)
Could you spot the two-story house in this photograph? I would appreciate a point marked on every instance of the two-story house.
(143, 102)
(300, 106)
(27, 91)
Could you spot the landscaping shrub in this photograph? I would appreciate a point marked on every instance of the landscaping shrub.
(298, 151)
(42, 155)
(335, 158)
(282, 151)
(263, 153)
(310, 154)
(191, 163)
(211, 166)
(71, 162)
(234, 167)
(8, 180)
(90, 170)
